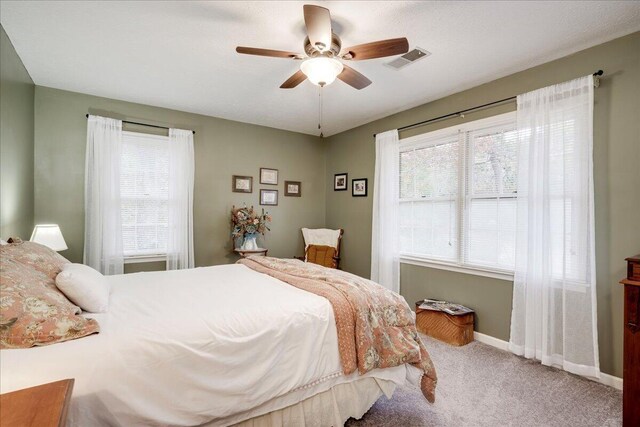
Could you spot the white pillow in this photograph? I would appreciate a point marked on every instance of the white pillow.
(85, 287)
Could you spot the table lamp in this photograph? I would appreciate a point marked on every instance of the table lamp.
(49, 235)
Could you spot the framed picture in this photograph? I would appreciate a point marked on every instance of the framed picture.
(269, 197)
(242, 184)
(292, 188)
(340, 182)
(268, 176)
(359, 187)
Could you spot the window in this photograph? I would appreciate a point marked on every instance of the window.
(458, 195)
(144, 188)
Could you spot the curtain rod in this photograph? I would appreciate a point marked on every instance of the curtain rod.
(479, 107)
(145, 124)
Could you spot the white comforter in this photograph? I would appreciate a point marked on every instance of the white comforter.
(189, 347)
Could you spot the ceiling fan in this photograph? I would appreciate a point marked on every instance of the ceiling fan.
(321, 64)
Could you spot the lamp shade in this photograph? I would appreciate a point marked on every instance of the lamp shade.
(50, 236)
(321, 70)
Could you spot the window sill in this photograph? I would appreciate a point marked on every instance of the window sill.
(137, 259)
(495, 274)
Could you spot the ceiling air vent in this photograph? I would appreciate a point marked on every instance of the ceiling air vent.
(408, 58)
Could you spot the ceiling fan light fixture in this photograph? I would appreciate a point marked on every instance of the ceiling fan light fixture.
(321, 71)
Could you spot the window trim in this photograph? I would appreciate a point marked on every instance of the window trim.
(430, 139)
(466, 269)
(500, 119)
(136, 134)
(139, 259)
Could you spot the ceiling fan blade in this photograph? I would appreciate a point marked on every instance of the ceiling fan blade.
(318, 22)
(294, 80)
(268, 52)
(378, 49)
(353, 78)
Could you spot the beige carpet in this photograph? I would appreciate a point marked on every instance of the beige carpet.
(479, 385)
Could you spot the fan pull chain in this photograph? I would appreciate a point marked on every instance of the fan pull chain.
(320, 110)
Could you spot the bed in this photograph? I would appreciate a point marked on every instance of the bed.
(218, 345)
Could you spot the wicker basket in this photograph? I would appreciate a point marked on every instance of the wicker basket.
(454, 330)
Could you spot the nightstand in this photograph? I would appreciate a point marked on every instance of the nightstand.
(43, 406)
(245, 254)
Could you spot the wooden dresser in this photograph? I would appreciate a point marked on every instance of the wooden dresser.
(41, 406)
(631, 373)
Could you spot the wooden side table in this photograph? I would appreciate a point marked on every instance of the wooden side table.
(244, 254)
(43, 406)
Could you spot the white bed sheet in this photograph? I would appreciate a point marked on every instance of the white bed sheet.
(209, 345)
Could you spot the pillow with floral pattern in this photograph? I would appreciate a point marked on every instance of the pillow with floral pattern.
(33, 312)
(35, 255)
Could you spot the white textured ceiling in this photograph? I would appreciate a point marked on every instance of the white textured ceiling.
(181, 55)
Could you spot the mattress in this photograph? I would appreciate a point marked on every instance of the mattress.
(213, 345)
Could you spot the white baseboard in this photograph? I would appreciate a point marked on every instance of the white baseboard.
(605, 379)
(610, 380)
(489, 340)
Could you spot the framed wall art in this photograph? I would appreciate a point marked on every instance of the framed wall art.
(242, 184)
(268, 176)
(340, 182)
(293, 188)
(359, 187)
(269, 197)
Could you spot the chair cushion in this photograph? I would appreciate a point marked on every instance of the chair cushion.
(322, 255)
(321, 236)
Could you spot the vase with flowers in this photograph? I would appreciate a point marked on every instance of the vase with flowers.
(246, 224)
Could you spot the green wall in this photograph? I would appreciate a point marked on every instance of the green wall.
(222, 148)
(617, 187)
(16, 143)
(55, 121)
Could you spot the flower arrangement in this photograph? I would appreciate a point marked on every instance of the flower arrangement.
(246, 221)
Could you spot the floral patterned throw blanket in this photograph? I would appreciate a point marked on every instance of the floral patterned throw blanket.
(375, 325)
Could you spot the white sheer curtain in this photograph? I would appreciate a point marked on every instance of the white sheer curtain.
(180, 215)
(385, 247)
(103, 224)
(554, 298)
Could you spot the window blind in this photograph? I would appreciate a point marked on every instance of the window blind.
(428, 196)
(144, 187)
(458, 195)
(491, 197)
